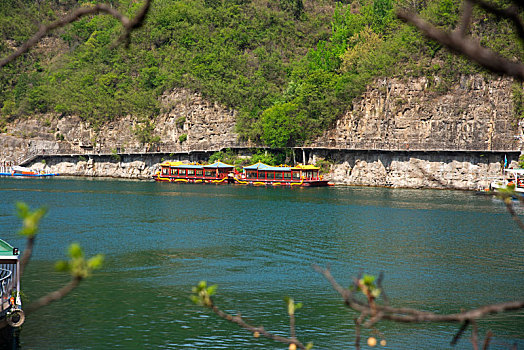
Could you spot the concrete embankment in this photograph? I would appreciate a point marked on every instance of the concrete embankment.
(465, 170)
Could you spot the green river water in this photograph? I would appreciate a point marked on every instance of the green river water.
(440, 251)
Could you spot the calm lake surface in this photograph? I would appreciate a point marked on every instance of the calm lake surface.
(440, 251)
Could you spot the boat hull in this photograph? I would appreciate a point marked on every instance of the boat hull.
(224, 181)
(27, 175)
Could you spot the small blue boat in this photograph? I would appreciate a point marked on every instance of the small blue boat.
(25, 172)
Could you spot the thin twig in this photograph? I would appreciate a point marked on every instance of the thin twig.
(382, 291)
(511, 211)
(292, 326)
(460, 332)
(357, 333)
(26, 255)
(511, 13)
(474, 336)
(260, 329)
(129, 25)
(467, 11)
(487, 340)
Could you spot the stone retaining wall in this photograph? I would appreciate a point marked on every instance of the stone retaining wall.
(455, 170)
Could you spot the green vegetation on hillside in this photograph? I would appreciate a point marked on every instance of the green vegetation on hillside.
(291, 67)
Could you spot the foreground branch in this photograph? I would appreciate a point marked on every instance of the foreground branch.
(53, 296)
(28, 252)
(257, 330)
(512, 212)
(376, 312)
(408, 315)
(511, 13)
(128, 24)
(468, 47)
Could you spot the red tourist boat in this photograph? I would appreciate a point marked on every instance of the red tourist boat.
(258, 174)
(300, 175)
(217, 172)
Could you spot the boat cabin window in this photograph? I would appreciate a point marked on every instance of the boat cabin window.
(210, 173)
(8, 278)
(199, 172)
(287, 176)
(190, 172)
(182, 172)
(173, 171)
(251, 174)
(270, 175)
(296, 175)
(165, 171)
(278, 175)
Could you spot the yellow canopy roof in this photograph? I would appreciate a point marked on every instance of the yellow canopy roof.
(306, 167)
(167, 163)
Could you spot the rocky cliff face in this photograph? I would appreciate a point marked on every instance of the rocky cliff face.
(415, 169)
(202, 124)
(474, 114)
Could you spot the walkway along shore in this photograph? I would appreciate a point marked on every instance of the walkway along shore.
(465, 170)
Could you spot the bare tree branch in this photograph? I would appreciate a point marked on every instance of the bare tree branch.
(511, 211)
(467, 10)
(408, 315)
(128, 24)
(460, 332)
(487, 340)
(254, 329)
(28, 252)
(474, 336)
(53, 296)
(49, 298)
(511, 12)
(292, 330)
(467, 47)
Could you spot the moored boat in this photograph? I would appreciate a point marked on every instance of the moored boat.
(10, 302)
(218, 173)
(25, 172)
(300, 175)
(513, 178)
(258, 174)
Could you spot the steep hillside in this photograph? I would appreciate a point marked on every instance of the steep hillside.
(290, 68)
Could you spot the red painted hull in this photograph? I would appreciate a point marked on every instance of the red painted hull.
(229, 180)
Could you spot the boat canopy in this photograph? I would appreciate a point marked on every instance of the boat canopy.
(264, 167)
(306, 167)
(167, 163)
(7, 251)
(182, 165)
(218, 165)
(21, 169)
(215, 165)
